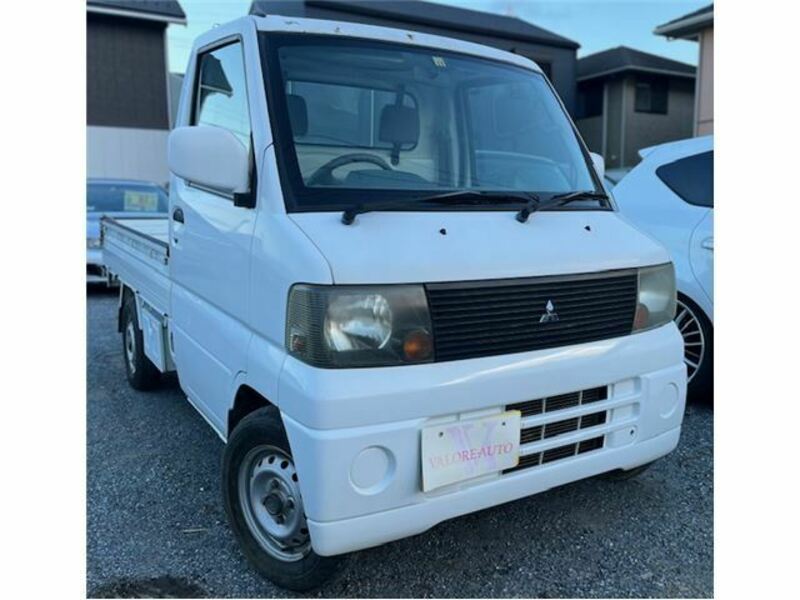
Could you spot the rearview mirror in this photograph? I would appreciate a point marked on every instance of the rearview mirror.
(210, 157)
(599, 164)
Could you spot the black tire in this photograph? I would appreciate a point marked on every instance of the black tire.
(141, 373)
(623, 475)
(263, 428)
(701, 384)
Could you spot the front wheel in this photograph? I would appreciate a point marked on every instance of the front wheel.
(264, 506)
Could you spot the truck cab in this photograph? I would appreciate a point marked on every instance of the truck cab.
(392, 283)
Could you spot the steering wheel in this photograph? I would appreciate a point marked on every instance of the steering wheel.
(324, 174)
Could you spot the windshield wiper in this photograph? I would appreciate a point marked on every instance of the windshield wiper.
(580, 195)
(454, 197)
(558, 200)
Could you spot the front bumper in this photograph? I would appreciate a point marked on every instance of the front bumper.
(355, 434)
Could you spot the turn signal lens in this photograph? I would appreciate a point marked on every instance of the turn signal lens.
(297, 340)
(418, 345)
(641, 317)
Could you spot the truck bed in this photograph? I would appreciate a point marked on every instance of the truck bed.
(137, 251)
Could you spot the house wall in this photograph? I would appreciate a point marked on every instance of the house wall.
(127, 153)
(127, 109)
(559, 63)
(628, 131)
(126, 79)
(704, 115)
(175, 87)
(591, 130)
(648, 129)
(614, 113)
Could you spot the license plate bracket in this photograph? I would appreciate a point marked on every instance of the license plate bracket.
(462, 450)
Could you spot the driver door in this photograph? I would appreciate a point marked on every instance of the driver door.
(210, 249)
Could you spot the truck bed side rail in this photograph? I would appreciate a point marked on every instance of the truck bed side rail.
(137, 252)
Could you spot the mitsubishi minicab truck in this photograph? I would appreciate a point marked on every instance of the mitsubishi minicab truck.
(390, 280)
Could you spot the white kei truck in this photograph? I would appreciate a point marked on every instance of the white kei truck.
(391, 281)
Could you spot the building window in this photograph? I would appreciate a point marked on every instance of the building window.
(590, 99)
(651, 95)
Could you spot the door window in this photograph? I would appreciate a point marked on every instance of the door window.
(221, 97)
(691, 178)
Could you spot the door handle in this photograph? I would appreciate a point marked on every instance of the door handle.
(708, 243)
(177, 215)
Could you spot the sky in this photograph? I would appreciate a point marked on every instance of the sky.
(595, 24)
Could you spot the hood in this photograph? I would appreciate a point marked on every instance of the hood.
(421, 247)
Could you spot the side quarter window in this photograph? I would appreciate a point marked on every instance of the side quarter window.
(221, 92)
(691, 178)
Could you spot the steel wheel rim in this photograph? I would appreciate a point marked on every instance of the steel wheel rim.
(130, 347)
(694, 342)
(269, 496)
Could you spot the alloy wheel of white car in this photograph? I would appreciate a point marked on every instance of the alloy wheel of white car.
(694, 342)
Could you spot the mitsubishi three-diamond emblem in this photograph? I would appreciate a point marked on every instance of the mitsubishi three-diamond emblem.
(550, 315)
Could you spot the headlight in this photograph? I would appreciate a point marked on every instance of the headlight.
(359, 326)
(656, 299)
(94, 243)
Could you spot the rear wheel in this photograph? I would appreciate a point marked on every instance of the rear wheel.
(698, 349)
(141, 373)
(264, 506)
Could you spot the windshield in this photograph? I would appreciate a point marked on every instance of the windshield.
(396, 121)
(125, 198)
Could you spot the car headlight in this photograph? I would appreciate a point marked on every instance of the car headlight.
(359, 326)
(655, 305)
(94, 243)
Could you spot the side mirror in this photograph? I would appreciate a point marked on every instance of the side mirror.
(211, 157)
(599, 164)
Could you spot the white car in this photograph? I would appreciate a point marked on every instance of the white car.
(612, 177)
(670, 196)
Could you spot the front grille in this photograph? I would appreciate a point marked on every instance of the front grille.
(486, 318)
(554, 404)
(540, 458)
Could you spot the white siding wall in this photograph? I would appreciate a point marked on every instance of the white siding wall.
(704, 123)
(127, 153)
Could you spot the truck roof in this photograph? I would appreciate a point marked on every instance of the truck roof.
(277, 23)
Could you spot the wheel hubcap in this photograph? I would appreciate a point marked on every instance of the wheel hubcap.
(694, 342)
(269, 495)
(130, 347)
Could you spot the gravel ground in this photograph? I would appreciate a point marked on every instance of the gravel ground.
(156, 526)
